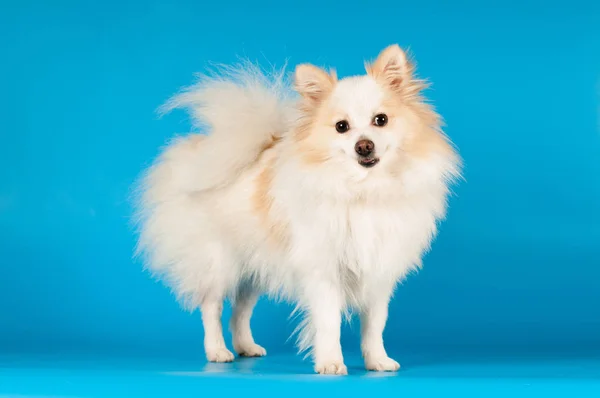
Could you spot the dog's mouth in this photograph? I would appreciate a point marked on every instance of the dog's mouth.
(368, 161)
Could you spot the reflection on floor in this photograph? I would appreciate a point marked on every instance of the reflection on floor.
(277, 375)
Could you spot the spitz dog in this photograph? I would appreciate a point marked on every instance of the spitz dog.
(327, 199)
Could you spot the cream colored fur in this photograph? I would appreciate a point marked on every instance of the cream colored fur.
(274, 201)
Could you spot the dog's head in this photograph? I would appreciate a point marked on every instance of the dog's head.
(366, 129)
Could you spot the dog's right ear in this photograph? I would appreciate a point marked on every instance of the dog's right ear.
(313, 83)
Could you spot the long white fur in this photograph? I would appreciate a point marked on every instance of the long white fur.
(200, 231)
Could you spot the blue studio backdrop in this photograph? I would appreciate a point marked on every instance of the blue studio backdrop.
(515, 269)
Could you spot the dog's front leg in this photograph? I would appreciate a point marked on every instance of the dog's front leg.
(373, 318)
(324, 323)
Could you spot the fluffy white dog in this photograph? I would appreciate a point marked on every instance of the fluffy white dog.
(326, 200)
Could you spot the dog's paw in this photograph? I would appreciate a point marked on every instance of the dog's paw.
(219, 355)
(250, 350)
(331, 368)
(382, 364)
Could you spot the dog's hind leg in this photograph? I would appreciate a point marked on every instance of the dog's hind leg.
(214, 343)
(218, 278)
(243, 304)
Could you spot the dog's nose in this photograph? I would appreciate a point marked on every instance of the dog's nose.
(364, 147)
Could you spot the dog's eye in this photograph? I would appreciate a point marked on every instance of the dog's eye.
(380, 120)
(342, 126)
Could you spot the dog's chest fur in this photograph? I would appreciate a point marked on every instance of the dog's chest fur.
(363, 239)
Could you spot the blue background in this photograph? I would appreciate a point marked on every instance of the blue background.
(515, 271)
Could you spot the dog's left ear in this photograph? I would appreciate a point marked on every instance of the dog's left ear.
(391, 67)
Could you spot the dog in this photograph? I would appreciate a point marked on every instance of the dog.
(322, 191)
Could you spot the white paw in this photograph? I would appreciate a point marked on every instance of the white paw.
(382, 364)
(331, 368)
(250, 350)
(219, 355)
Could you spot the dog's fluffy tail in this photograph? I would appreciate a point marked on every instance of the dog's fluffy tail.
(240, 109)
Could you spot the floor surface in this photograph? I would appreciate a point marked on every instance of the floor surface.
(277, 375)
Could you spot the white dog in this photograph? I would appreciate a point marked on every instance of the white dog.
(327, 200)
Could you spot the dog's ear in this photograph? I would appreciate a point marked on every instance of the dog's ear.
(391, 67)
(313, 83)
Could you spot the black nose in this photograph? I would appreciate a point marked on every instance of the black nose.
(364, 147)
